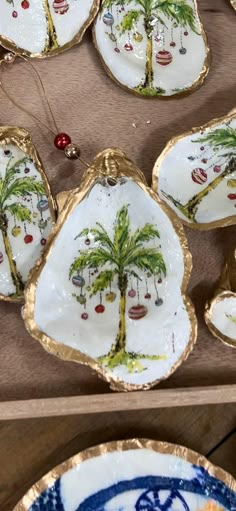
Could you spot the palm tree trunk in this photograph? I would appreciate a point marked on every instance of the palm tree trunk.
(51, 37)
(190, 208)
(120, 343)
(15, 275)
(148, 82)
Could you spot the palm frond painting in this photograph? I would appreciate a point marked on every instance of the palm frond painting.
(122, 257)
(19, 20)
(149, 39)
(205, 160)
(25, 216)
(118, 287)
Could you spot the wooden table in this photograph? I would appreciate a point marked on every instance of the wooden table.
(29, 448)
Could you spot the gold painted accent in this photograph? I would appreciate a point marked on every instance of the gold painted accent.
(231, 220)
(233, 2)
(22, 139)
(10, 45)
(51, 38)
(195, 85)
(110, 163)
(179, 451)
(225, 289)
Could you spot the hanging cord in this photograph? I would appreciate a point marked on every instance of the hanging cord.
(61, 140)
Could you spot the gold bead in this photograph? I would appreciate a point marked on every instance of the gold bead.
(9, 57)
(72, 151)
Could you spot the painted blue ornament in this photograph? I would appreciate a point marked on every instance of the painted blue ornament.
(42, 205)
(108, 19)
(78, 281)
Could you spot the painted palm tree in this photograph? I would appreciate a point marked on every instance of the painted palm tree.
(12, 188)
(121, 258)
(220, 139)
(153, 11)
(51, 37)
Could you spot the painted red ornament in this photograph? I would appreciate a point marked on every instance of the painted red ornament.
(186, 33)
(15, 14)
(43, 241)
(159, 280)
(60, 6)
(28, 239)
(117, 50)
(157, 38)
(1, 257)
(164, 58)
(99, 308)
(137, 312)
(173, 44)
(202, 148)
(87, 241)
(204, 160)
(62, 140)
(147, 296)
(217, 168)
(132, 293)
(128, 47)
(232, 196)
(27, 170)
(25, 4)
(84, 315)
(199, 176)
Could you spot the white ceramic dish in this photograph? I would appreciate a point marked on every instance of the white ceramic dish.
(152, 48)
(196, 174)
(133, 475)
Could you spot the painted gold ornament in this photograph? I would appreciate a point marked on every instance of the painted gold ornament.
(118, 285)
(152, 48)
(40, 28)
(133, 475)
(220, 312)
(196, 174)
(23, 186)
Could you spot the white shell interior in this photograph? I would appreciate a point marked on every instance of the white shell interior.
(128, 65)
(29, 27)
(223, 317)
(24, 254)
(164, 331)
(111, 469)
(175, 176)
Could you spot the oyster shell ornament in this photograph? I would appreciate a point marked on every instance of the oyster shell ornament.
(196, 174)
(40, 28)
(152, 48)
(27, 210)
(220, 312)
(116, 299)
(133, 475)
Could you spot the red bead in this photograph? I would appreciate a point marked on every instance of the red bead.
(14, 14)
(186, 33)
(28, 238)
(62, 140)
(84, 315)
(25, 4)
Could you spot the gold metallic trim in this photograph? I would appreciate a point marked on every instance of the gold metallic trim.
(123, 445)
(233, 3)
(10, 45)
(195, 85)
(109, 163)
(22, 139)
(231, 220)
(226, 289)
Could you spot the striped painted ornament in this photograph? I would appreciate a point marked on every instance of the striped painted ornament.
(199, 176)
(78, 281)
(137, 312)
(108, 19)
(164, 58)
(60, 6)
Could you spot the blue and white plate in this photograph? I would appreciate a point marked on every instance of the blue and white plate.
(133, 475)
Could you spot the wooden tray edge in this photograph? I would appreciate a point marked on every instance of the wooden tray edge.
(100, 403)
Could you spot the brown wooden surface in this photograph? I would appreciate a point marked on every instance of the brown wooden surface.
(97, 113)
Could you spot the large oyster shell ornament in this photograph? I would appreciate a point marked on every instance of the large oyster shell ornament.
(220, 312)
(116, 299)
(152, 48)
(196, 174)
(40, 28)
(133, 475)
(27, 210)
